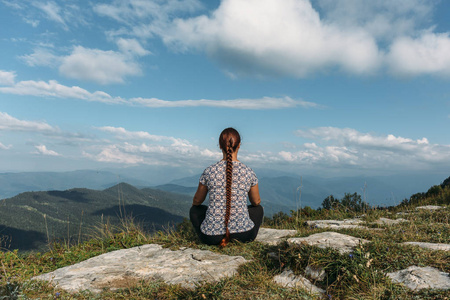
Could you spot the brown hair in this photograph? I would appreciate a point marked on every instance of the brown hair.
(229, 141)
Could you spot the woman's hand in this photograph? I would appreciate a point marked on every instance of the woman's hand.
(253, 195)
(200, 194)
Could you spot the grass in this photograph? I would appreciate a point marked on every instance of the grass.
(360, 275)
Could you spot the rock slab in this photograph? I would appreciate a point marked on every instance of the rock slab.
(431, 246)
(429, 207)
(272, 237)
(341, 242)
(417, 278)
(290, 280)
(386, 221)
(122, 268)
(336, 224)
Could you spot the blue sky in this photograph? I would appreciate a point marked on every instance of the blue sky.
(326, 87)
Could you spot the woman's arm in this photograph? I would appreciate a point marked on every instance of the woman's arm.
(253, 195)
(200, 194)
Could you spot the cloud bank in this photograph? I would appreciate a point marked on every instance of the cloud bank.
(296, 38)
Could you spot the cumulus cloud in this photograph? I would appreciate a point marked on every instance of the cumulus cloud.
(42, 149)
(270, 36)
(294, 37)
(7, 78)
(100, 66)
(343, 147)
(41, 57)
(383, 19)
(140, 147)
(427, 54)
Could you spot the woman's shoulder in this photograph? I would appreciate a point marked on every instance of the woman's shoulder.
(214, 166)
(243, 166)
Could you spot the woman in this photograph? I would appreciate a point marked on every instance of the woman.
(228, 182)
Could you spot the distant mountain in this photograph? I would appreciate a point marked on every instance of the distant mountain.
(12, 184)
(29, 218)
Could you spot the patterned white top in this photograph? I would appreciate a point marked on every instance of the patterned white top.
(214, 177)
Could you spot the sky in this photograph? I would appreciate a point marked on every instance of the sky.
(323, 87)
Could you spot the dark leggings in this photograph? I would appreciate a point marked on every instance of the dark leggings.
(198, 213)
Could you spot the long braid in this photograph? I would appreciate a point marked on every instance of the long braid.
(229, 175)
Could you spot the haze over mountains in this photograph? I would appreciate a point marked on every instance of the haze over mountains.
(275, 186)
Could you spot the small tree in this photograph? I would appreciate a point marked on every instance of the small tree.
(330, 202)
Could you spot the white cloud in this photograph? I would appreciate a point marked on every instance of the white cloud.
(41, 57)
(100, 66)
(3, 147)
(54, 89)
(427, 54)
(383, 19)
(115, 155)
(262, 103)
(136, 11)
(9, 123)
(7, 78)
(294, 37)
(52, 12)
(132, 47)
(42, 149)
(271, 36)
(123, 134)
(344, 147)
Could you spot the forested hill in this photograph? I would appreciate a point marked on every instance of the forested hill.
(29, 219)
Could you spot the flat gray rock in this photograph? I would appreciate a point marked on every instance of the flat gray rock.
(122, 268)
(271, 236)
(289, 280)
(386, 221)
(336, 224)
(430, 207)
(417, 278)
(432, 246)
(342, 242)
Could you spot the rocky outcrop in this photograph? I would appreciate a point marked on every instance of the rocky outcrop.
(341, 242)
(386, 221)
(431, 246)
(122, 268)
(417, 278)
(272, 237)
(429, 207)
(335, 224)
(290, 280)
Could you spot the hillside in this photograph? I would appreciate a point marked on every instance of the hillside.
(387, 246)
(33, 217)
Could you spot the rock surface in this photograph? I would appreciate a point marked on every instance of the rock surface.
(122, 268)
(336, 224)
(430, 207)
(421, 278)
(271, 236)
(342, 242)
(386, 221)
(290, 280)
(432, 246)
